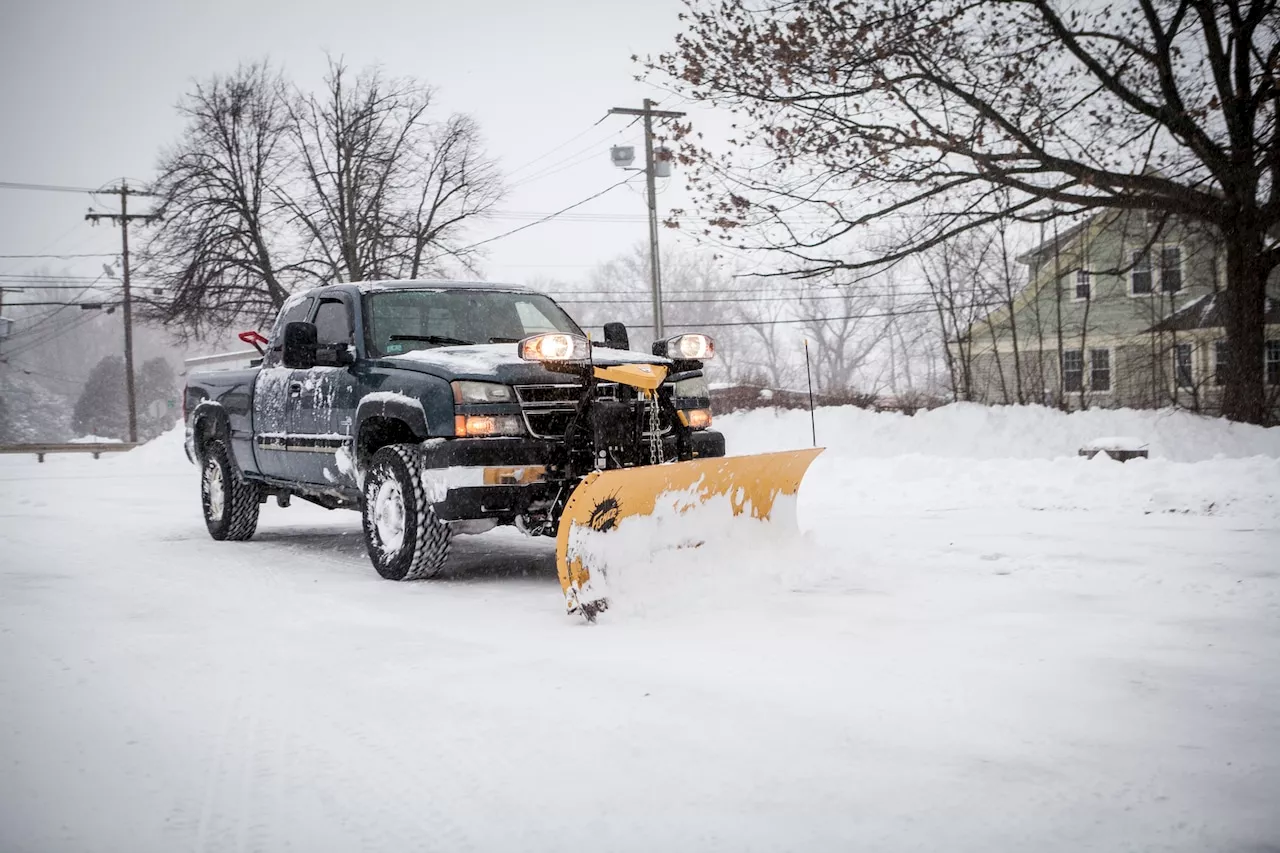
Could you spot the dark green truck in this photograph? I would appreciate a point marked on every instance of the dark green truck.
(435, 408)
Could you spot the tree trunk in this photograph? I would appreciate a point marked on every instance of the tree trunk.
(1243, 397)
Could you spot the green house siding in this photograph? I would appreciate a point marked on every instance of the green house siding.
(1061, 311)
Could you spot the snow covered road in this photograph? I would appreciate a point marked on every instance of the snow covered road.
(961, 654)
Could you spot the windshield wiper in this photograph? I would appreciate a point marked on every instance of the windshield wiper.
(432, 339)
(504, 340)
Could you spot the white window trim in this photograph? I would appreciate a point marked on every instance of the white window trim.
(1221, 342)
(1195, 380)
(1084, 370)
(1075, 283)
(1182, 269)
(1153, 258)
(1265, 347)
(1111, 370)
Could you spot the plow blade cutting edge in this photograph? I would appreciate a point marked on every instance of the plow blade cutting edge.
(606, 501)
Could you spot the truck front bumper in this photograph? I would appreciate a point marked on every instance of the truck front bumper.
(505, 478)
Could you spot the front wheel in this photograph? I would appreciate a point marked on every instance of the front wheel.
(230, 503)
(405, 539)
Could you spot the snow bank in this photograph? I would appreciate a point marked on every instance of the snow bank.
(971, 431)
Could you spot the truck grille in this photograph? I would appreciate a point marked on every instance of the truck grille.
(548, 409)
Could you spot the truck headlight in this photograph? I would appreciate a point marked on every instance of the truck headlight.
(485, 426)
(691, 347)
(481, 392)
(555, 346)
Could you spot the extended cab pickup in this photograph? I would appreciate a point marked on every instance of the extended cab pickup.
(436, 408)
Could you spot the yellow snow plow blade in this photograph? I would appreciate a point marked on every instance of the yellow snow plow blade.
(605, 500)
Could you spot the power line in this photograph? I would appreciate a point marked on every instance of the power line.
(582, 154)
(50, 315)
(47, 304)
(868, 315)
(52, 334)
(63, 257)
(49, 276)
(564, 144)
(796, 298)
(548, 217)
(42, 286)
(47, 188)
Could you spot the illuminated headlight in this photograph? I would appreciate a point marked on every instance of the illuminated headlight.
(481, 392)
(691, 347)
(696, 418)
(484, 426)
(555, 347)
(695, 387)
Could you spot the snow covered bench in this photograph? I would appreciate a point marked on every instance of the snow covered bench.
(1118, 447)
(41, 450)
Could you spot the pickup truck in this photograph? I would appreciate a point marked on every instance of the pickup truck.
(435, 409)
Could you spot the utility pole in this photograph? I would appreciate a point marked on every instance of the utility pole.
(122, 219)
(655, 269)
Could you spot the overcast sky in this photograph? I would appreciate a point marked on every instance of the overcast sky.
(89, 89)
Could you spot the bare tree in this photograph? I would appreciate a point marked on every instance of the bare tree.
(844, 332)
(387, 191)
(217, 248)
(938, 117)
(458, 182)
(270, 189)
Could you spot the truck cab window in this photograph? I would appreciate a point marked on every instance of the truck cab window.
(333, 323)
(296, 314)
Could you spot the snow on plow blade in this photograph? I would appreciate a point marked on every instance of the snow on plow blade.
(607, 506)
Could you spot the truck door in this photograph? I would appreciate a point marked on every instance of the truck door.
(272, 401)
(323, 411)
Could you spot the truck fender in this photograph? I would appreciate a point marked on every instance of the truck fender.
(403, 414)
(208, 419)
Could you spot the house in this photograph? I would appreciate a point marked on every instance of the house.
(1119, 311)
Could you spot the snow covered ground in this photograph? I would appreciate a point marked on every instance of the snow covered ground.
(979, 642)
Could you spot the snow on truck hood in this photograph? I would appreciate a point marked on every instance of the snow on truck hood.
(503, 363)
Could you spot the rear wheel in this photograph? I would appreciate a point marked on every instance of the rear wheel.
(230, 503)
(405, 539)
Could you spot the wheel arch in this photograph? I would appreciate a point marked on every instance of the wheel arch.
(209, 420)
(383, 421)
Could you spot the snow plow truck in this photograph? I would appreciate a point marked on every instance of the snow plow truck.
(444, 408)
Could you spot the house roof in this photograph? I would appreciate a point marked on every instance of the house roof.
(1208, 312)
(1061, 241)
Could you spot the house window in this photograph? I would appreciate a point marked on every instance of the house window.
(1140, 273)
(1272, 363)
(1219, 362)
(1182, 372)
(1171, 269)
(1082, 284)
(1072, 370)
(1099, 370)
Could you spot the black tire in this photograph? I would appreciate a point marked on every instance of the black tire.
(230, 504)
(405, 539)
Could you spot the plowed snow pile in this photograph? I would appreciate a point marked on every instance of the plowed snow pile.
(973, 641)
(955, 460)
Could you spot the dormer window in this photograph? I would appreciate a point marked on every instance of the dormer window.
(1171, 269)
(1167, 270)
(1140, 274)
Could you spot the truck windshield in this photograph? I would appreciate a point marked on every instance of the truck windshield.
(400, 321)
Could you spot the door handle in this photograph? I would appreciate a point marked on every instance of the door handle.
(295, 389)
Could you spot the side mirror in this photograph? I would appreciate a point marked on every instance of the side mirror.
(615, 336)
(299, 346)
(335, 355)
